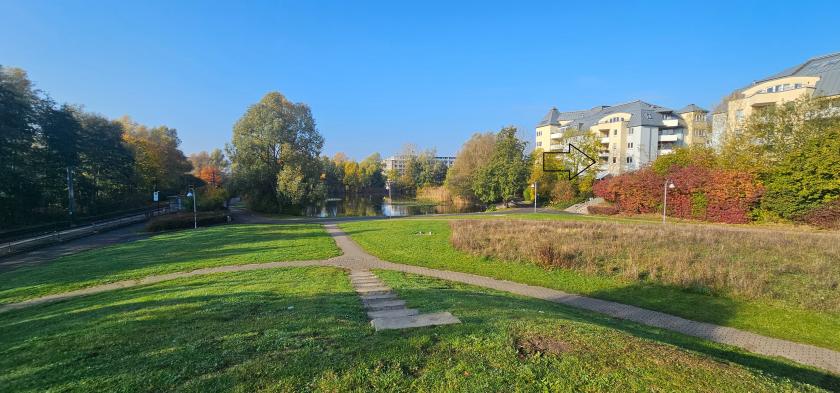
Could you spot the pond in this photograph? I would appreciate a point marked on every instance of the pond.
(377, 205)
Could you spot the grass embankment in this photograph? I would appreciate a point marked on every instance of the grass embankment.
(304, 329)
(397, 241)
(170, 252)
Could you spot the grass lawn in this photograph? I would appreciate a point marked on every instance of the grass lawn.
(170, 252)
(396, 240)
(304, 329)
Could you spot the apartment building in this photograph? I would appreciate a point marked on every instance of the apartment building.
(631, 135)
(398, 163)
(817, 77)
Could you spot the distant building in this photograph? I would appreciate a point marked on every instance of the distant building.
(817, 77)
(631, 134)
(397, 163)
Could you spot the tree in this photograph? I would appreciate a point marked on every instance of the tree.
(274, 155)
(807, 177)
(159, 163)
(371, 171)
(105, 166)
(211, 176)
(505, 175)
(18, 164)
(475, 154)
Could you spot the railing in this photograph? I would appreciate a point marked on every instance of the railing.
(12, 247)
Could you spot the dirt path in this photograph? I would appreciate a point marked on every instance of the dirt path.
(354, 258)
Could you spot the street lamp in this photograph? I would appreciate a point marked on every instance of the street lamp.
(668, 184)
(195, 214)
(535, 197)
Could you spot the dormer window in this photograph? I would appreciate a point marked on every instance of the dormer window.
(649, 116)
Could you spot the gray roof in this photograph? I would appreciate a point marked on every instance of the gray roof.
(641, 114)
(826, 67)
(692, 108)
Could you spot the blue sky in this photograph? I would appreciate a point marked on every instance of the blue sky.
(378, 75)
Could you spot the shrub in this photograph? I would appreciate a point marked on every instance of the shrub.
(826, 216)
(211, 199)
(699, 192)
(602, 209)
(185, 220)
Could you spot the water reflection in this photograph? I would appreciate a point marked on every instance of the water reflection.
(374, 205)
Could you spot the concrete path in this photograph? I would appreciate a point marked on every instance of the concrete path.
(354, 258)
(49, 253)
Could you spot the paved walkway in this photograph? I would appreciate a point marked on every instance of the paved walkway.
(354, 258)
(49, 253)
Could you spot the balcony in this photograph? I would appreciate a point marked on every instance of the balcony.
(605, 140)
(669, 137)
(555, 147)
(671, 122)
(604, 153)
(556, 135)
(663, 152)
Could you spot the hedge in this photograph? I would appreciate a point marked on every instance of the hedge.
(185, 220)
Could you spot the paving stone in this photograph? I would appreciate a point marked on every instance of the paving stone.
(390, 295)
(420, 320)
(392, 313)
(385, 304)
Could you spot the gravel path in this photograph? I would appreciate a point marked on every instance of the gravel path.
(354, 258)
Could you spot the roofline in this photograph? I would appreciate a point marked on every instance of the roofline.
(797, 69)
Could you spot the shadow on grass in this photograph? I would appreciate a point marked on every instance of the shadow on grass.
(246, 330)
(181, 250)
(462, 302)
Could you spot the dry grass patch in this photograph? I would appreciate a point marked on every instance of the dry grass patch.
(801, 269)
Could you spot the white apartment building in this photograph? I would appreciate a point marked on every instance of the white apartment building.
(631, 134)
(398, 162)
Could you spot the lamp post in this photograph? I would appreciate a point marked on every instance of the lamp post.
(195, 211)
(535, 197)
(668, 184)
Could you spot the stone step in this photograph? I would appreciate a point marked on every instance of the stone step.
(369, 286)
(361, 274)
(366, 281)
(412, 321)
(377, 297)
(392, 313)
(380, 290)
(384, 304)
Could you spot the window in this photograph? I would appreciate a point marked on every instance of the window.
(539, 143)
(739, 115)
(629, 160)
(797, 86)
(649, 116)
(630, 145)
(615, 132)
(613, 160)
(630, 131)
(539, 133)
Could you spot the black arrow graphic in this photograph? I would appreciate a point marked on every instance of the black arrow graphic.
(569, 171)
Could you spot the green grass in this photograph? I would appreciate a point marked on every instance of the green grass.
(303, 329)
(395, 241)
(171, 252)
